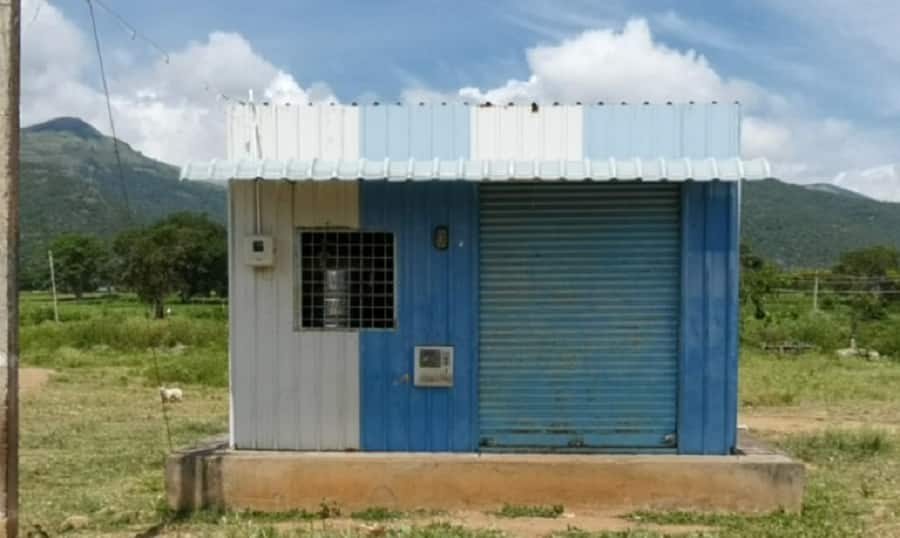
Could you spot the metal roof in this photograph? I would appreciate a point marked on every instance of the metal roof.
(660, 169)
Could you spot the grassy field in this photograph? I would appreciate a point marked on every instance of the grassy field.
(94, 439)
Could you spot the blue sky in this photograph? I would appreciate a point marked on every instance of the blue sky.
(820, 79)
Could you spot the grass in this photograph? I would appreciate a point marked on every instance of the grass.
(771, 380)
(518, 510)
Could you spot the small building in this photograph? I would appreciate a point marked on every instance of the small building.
(475, 278)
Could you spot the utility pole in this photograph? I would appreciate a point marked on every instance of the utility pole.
(10, 14)
(816, 293)
(53, 286)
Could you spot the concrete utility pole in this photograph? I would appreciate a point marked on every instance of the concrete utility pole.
(10, 11)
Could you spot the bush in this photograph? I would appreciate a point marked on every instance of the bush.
(125, 335)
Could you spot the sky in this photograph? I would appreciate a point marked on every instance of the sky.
(819, 80)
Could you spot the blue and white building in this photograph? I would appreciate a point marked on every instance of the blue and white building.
(470, 278)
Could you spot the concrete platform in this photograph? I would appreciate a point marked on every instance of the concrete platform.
(215, 477)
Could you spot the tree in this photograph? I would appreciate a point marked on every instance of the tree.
(201, 258)
(145, 264)
(864, 275)
(184, 253)
(80, 262)
(875, 261)
(758, 279)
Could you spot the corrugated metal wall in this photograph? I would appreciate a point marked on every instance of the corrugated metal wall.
(298, 131)
(414, 132)
(436, 305)
(709, 316)
(580, 297)
(670, 131)
(290, 390)
(518, 132)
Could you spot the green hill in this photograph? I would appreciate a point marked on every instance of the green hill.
(70, 183)
(800, 226)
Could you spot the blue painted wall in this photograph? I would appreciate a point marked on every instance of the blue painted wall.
(707, 411)
(415, 131)
(437, 298)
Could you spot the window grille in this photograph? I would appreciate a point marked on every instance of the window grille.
(346, 279)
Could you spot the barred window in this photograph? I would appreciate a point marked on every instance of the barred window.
(346, 279)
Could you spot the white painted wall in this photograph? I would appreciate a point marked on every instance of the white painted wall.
(291, 390)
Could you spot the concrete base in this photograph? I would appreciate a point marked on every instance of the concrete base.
(214, 477)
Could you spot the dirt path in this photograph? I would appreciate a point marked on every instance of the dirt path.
(524, 527)
(33, 379)
(812, 420)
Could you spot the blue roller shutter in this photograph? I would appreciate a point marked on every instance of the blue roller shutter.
(579, 316)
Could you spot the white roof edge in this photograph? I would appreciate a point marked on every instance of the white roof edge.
(655, 169)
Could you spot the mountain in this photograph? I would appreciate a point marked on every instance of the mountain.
(879, 182)
(800, 226)
(69, 182)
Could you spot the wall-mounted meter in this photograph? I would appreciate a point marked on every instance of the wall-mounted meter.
(259, 251)
(433, 366)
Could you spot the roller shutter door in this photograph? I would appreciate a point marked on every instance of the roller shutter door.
(579, 317)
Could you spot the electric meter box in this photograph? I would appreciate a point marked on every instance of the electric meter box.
(259, 251)
(433, 366)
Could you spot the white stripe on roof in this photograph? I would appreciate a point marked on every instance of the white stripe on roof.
(474, 170)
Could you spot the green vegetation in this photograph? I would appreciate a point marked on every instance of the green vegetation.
(82, 261)
(796, 226)
(377, 513)
(518, 510)
(183, 253)
(70, 184)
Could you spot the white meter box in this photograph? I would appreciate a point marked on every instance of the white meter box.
(433, 366)
(259, 251)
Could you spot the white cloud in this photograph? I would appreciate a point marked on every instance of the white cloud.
(168, 110)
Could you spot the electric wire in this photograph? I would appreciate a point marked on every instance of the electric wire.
(124, 187)
(109, 112)
(132, 30)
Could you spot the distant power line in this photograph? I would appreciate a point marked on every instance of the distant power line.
(112, 124)
(135, 33)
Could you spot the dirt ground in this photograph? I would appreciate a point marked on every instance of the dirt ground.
(33, 379)
(525, 527)
(802, 420)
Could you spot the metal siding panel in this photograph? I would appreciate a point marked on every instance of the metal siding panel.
(242, 320)
(722, 126)
(579, 298)
(309, 130)
(715, 304)
(266, 338)
(691, 411)
(420, 137)
(373, 127)
(574, 147)
(398, 126)
(670, 131)
(708, 392)
(286, 391)
(328, 361)
(433, 307)
(517, 133)
(693, 132)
